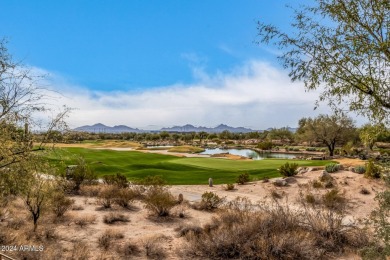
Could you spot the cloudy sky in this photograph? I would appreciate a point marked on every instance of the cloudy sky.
(150, 64)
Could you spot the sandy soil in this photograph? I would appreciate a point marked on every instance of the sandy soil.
(142, 226)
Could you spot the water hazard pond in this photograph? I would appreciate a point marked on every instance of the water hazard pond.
(249, 153)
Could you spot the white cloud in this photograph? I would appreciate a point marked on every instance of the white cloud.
(255, 94)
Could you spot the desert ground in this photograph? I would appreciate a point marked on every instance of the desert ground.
(80, 229)
(142, 227)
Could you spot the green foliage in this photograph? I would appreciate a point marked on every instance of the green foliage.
(229, 186)
(265, 145)
(356, 69)
(360, 169)
(330, 130)
(118, 179)
(210, 201)
(332, 167)
(82, 174)
(288, 169)
(369, 134)
(243, 178)
(372, 170)
(311, 149)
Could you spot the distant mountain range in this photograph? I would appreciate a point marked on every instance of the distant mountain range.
(218, 129)
(101, 128)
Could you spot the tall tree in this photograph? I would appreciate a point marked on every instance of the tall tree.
(343, 48)
(331, 130)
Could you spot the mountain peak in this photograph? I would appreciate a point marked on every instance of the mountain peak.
(99, 125)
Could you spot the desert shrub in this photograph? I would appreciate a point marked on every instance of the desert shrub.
(81, 174)
(60, 203)
(107, 196)
(310, 198)
(118, 179)
(124, 197)
(128, 250)
(90, 190)
(364, 191)
(15, 223)
(105, 240)
(153, 247)
(360, 169)
(326, 177)
(311, 149)
(229, 186)
(288, 169)
(316, 184)
(328, 184)
(263, 231)
(265, 145)
(332, 167)
(77, 207)
(80, 251)
(210, 201)
(84, 220)
(243, 178)
(265, 179)
(113, 218)
(379, 220)
(159, 201)
(334, 200)
(372, 170)
(186, 229)
(180, 210)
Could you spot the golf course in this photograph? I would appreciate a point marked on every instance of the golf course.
(174, 170)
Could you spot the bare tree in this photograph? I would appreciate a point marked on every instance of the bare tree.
(36, 198)
(21, 98)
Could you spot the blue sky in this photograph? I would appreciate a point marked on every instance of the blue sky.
(145, 63)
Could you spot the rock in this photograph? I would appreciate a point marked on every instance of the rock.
(280, 183)
(302, 170)
(341, 167)
(290, 180)
(312, 169)
(351, 169)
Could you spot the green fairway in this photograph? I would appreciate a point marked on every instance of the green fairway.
(174, 170)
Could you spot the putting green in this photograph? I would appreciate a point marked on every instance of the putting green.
(174, 170)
